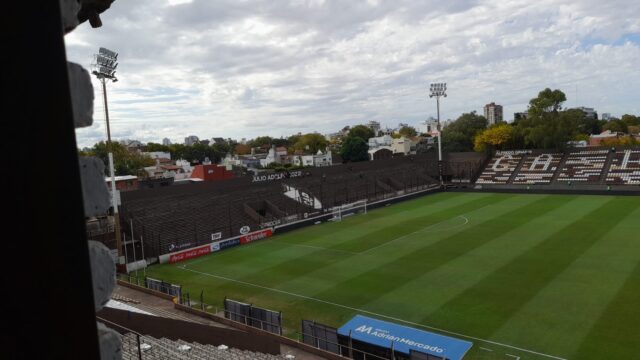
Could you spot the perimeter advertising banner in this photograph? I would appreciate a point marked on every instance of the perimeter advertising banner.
(215, 246)
(189, 254)
(256, 235)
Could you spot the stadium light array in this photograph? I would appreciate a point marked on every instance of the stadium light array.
(104, 69)
(437, 90)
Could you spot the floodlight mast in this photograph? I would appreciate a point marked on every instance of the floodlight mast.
(105, 69)
(437, 90)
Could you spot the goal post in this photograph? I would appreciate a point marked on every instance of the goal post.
(344, 210)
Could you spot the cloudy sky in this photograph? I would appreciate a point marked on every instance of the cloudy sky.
(243, 68)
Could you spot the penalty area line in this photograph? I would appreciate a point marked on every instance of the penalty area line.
(370, 313)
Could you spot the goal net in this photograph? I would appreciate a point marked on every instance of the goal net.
(344, 210)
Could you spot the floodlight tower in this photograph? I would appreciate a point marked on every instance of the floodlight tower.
(104, 69)
(438, 90)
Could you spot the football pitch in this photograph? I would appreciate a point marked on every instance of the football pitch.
(521, 276)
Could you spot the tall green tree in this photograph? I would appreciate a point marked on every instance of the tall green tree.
(458, 136)
(408, 131)
(547, 101)
(354, 149)
(125, 162)
(616, 126)
(630, 120)
(361, 131)
(311, 143)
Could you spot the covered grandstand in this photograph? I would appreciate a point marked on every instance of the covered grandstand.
(174, 218)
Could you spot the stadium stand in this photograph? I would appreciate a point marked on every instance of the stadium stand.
(592, 167)
(584, 166)
(180, 217)
(501, 167)
(163, 348)
(538, 169)
(625, 168)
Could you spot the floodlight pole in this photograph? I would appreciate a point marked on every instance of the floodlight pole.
(439, 141)
(114, 203)
(437, 90)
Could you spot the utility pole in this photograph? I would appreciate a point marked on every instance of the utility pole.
(437, 90)
(105, 69)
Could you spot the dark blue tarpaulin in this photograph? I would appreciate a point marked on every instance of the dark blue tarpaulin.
(404, 338)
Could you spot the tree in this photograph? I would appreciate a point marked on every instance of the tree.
(616, 126)
(458, 136)
(311, 142)
(408, 131)
(548, 101)
(354, 149)
(260, 141)
(630, 120)
(496, 137)
(125, 162)
(362, 132)
(242, 149)
(620, 141)
(152, 147)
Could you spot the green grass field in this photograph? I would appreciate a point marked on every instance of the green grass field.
(528, 276)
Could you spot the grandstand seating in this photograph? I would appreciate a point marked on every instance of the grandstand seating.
(500, 168)
(581, 167)
(178, 217)
(538, 169)
(584, 166)
(625, 168)
(152, 348)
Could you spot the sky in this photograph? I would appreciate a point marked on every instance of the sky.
(244, 68)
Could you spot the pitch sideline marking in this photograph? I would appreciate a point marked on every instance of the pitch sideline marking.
(418, 231)
(370, 312)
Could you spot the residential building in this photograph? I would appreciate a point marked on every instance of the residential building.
(191, 140)
(211, 172)
(276, 155)
(375, 142)
(374, 126)
(429, 126)
(124, 183)
(318, 160)
(588, 112)
(158, 154)
(402, 145)
(594, 140)
(606, 116)
(493, 113)
(166, 142)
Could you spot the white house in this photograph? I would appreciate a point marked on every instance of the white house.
(317, 160)
(375, 142)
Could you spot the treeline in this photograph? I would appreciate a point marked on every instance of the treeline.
(546, 126)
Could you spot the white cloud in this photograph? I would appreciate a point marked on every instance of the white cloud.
(246, 68)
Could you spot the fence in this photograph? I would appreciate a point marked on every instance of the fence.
(316, 335)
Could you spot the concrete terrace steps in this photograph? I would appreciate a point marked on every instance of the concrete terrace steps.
(607, 167)
(563, 161)
(517, 169)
